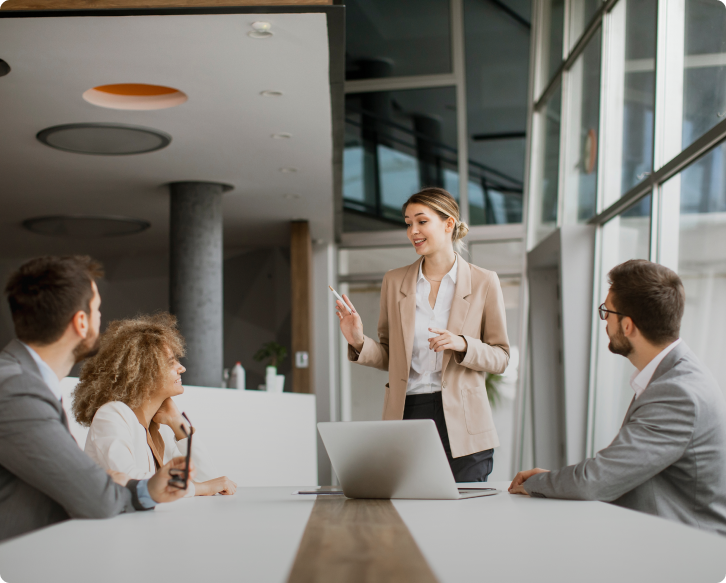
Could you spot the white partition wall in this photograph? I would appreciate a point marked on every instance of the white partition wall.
(255, 438)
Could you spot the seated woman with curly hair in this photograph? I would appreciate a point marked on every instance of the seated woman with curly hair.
(125, 393)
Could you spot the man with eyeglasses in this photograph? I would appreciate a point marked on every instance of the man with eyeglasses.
(669, 457)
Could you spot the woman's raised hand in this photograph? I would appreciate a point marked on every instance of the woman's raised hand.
(168, 414)
(350, 324)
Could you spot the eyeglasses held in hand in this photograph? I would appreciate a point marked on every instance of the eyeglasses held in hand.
(180, 478)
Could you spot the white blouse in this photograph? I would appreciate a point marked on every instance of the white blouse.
(117, 441)
(425, 373)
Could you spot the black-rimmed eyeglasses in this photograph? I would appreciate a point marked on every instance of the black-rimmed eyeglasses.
(603, 311)
(180, 478)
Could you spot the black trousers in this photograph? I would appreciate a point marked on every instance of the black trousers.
(475, 467)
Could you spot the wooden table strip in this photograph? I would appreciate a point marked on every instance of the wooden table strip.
(358, 541)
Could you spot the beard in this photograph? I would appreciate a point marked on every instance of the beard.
(87, 348)
(619, 344)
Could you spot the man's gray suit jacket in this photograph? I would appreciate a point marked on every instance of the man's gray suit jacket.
(669, 458)
(44, 475)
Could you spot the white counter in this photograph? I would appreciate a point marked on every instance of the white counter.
(254, 437)
(253, 537)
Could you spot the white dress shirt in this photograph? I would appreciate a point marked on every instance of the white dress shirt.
(425, 373)
(117, 441)
(640, 380)
(50, 378)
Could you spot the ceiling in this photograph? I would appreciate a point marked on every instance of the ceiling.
(221, 134)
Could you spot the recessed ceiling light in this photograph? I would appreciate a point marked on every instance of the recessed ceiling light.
(136, 96)
(288, 170)
(281, 136)
(260, 30)
(104, 139)
(270, 93)
(4, 68)
(85, 226)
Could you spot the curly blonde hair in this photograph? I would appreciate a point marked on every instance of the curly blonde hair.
(132, 360)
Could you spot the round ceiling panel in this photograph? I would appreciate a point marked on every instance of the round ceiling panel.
(85, 226)
(104, 139)
(137, 96)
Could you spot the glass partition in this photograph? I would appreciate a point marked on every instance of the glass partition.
(704, 77)
(396, 142)
(553, 26)
(624, 237)
(547, 168)
(699, 193)
(583, 131)
(638, 97)
(496, 97)
(581, 13)
(392, 39)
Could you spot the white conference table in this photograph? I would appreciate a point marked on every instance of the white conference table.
(254, 536)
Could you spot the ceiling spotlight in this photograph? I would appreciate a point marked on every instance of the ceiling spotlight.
(288, 170)
(270, 93)
(138, 96)
(104, 139)
(281, 136)
(4, 68)
(85, 226)
(260, 30)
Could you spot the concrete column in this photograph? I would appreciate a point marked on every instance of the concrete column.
(195, 277)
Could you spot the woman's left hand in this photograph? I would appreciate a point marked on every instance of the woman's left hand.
(446, 341)
(222, 485)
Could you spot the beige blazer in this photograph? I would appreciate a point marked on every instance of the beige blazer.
(477, 314)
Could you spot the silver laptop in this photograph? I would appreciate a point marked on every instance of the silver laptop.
(393, 459)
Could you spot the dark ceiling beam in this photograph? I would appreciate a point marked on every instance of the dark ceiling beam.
(95, 4)
(513, 14)
(500, 136)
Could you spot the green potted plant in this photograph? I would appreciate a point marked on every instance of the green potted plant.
(274, 354)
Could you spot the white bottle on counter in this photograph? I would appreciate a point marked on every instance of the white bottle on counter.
(237, 377)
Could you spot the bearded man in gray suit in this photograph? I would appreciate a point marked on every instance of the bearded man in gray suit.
(44, 475)
(669, 458)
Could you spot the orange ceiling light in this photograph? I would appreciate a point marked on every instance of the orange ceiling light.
(137, 96)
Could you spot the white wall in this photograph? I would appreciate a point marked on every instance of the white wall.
(255, 438)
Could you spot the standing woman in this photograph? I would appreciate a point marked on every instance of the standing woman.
(442, 325)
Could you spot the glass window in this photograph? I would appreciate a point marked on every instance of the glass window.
(581, 14)
(625, 237)
(704, 77)
(583, 132)
(553, 23)
(700, 194)
(497, 70)
(396, 142)
(547, 171)
(638, 97)
(392, 39)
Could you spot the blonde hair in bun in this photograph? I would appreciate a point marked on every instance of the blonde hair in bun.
(440, 201)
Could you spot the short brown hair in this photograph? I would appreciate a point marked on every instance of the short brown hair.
(132, 359)
(651, 295)
(439, 200)
(46, 292)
